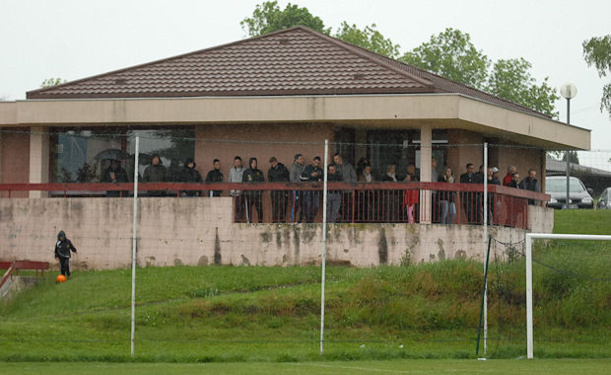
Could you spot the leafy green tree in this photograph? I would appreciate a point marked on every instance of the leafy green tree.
(369, 38)
(597, 52)
(510, 79)
(49, 82)
(268, 17)
(452, 55)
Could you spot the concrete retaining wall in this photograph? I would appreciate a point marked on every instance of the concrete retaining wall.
(199, 231)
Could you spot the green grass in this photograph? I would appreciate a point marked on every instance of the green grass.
(498, 367)
(596, 222)
(272, 314)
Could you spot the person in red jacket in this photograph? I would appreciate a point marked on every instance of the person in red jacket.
(411, 197)
(509, 176)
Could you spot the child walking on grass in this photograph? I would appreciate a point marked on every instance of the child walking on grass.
(63, 247)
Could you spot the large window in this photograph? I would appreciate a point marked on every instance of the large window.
(82, 154)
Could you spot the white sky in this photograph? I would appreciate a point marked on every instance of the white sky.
(74, 39)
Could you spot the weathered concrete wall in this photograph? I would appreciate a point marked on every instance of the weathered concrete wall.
(199, 231)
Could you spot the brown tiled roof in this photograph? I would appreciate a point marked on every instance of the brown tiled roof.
(296, 61)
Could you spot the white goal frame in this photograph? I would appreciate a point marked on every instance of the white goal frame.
(529, 275)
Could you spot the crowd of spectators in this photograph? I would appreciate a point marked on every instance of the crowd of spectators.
(304, 205)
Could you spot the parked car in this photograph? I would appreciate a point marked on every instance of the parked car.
(604, 202)
(579, 195)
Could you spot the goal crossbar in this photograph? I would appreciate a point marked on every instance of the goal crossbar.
(529, 279)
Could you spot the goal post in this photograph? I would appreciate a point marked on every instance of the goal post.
(529, 280)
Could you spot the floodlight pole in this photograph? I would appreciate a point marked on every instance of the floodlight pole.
(134, 245)
(568, 91)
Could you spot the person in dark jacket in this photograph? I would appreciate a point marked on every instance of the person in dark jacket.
(471, 200)
(155, 172)
(253, 197)
(492, 198)
(192, 175)
(312, 173)
(334, 197)
(278, 173)
(215, 176)
(115, 174)
(531, 183)
(63, 247)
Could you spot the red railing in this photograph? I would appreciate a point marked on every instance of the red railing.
(374, 202)
(15, 266)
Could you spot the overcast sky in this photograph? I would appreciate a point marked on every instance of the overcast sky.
(74, 39)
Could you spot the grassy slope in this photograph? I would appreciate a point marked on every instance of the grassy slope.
(206, 314)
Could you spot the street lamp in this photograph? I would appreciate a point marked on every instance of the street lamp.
(568, 91)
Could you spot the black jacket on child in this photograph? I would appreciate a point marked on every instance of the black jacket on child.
(63, 247)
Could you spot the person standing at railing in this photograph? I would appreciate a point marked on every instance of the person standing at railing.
(435, 208)
(508, 177)
(334, 197)
(115, 174)
(391, 197)
(365, 198)
(348, 173)
(411, 197)
(192, 175)
(63, 247)
(312, 173)
(531, 183)
(235, 175)
(295, 177)
(470, 199)
(215, 176)
(278, 173)
(155, 172)
(515, 206)
(253, 198)
(447, 198)
(492, 180)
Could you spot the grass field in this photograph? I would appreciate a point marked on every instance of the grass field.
(235, 320)
(497, 367)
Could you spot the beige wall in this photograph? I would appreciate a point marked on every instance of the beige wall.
(14, 159)
(254, 140)
(191, 231)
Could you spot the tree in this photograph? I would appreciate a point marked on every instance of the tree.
(510, 79)
(50, 82)
(370, 39)
(268, 17)
(597, 52)
(451, 55)
(572, 155)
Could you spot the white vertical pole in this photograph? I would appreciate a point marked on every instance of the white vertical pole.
(324, 249)
(485, 208)
(529, 297)
(134, 244)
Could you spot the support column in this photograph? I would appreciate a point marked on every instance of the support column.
(426, 154)
(39, 159)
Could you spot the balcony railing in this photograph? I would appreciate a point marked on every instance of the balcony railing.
(377, 202)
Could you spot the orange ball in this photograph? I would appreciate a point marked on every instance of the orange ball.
(61, 279)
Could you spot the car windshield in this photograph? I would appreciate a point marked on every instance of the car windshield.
(558, 185)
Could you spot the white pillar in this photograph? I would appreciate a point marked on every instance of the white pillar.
(426, 154)
(39, 159)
